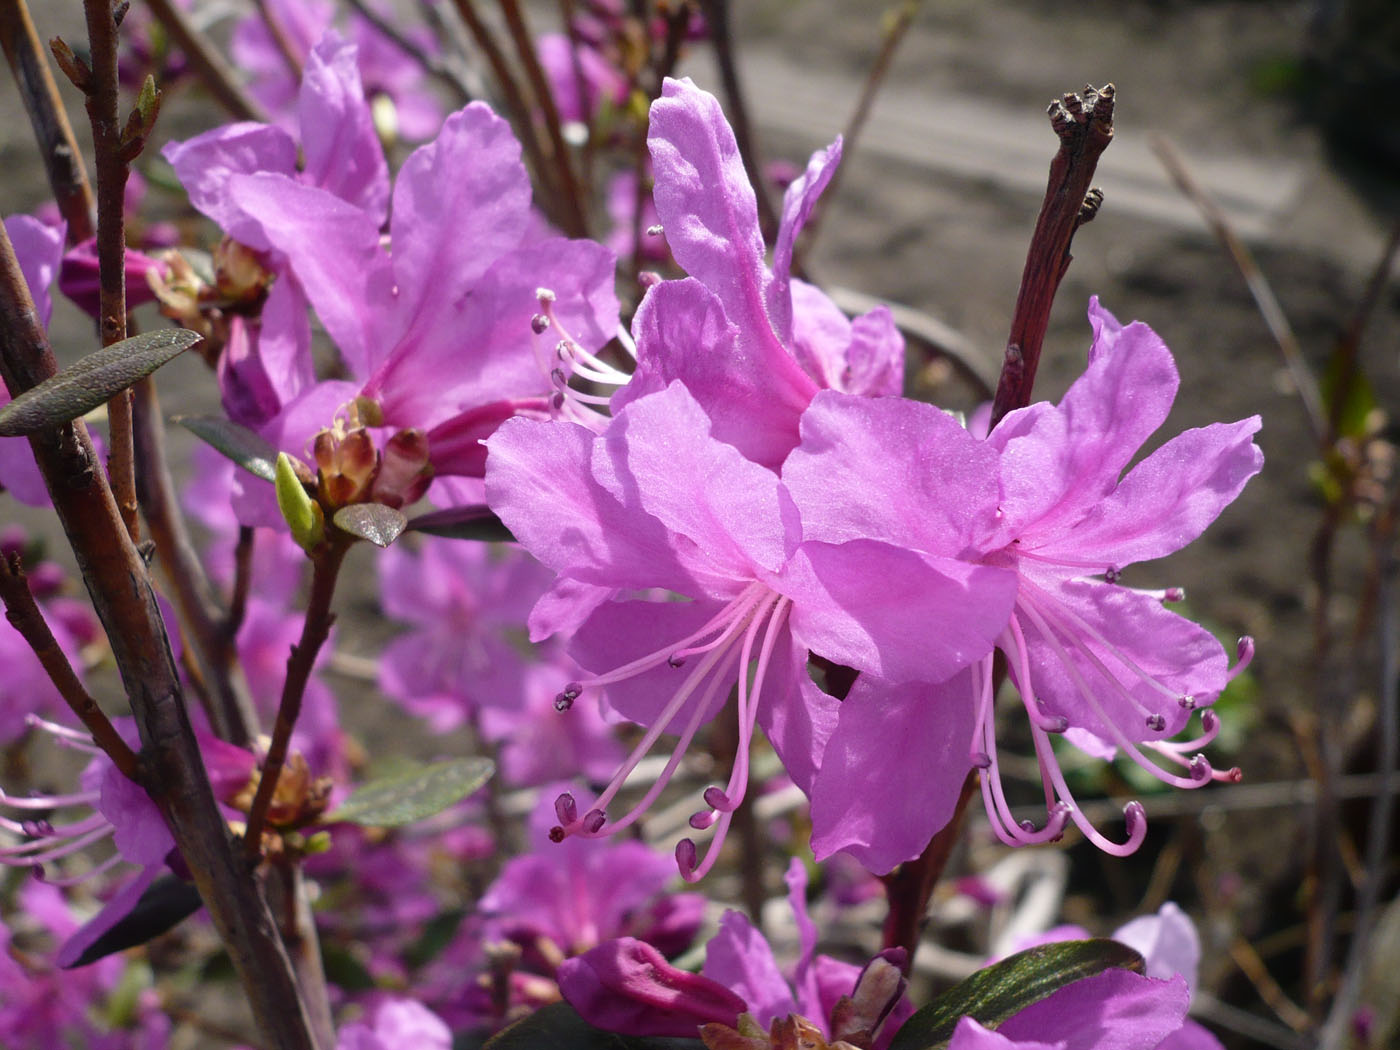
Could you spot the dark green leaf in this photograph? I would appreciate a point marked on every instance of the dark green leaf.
(437, 934)
(1357, 400)
(92, 381)
(559, 1027)
(412, 794)
(375, 522)
(344, 970)
(995, 993)
(462, 523)
(166, 903)
(245, 447)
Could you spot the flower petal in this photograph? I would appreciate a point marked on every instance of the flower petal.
(893, 770)
(738, 958)
(798, 203)
(342, 150)
(205, 164)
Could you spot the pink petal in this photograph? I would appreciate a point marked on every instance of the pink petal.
(338, 139)
(205, 164)
(739, 959)
(798, 203)
(893, 770)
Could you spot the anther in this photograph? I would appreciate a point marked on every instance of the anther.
(565, 700)
(1112, 574)
(1174, 594)
(686, 858)
(1187, 702)
(655, 230)
(539, 324)
(980, 760)
(1134, 817)
(1156, 723)
(558, 378)
(676, 660)
(565, 808)
(1210, 722)
(1200, 769)
(717, 799)
(594, 820)
(703, 820)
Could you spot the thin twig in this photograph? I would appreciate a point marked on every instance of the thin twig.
(431, 64)
(1269, 307)
(897, 22)
(112, 170)
(575, 215)
(216, 74)
(1348, 355)
(717, 19)
(315, 629)
(63, 160)
(125, 604)
(1084, 125)
(514, 98)
(26, 618)
(242, 583)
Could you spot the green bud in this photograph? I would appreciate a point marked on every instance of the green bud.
(302, 513)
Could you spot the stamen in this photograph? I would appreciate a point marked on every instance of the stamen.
(539, 324)
(703, 820)
(593, 821)
(566, 697)
(565, 808)
(1156, 723)
(1244, 656)
(1135, 818)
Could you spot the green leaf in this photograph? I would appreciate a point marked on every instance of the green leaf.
(559, 1027)
(1358, 399)
(245, 447)
(375, 522)
(462, 523)
(302, 514)
(92, 381)
(344, 970)
(412, 794)
(995, 993)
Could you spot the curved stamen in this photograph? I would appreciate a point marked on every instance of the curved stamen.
(1134, 817)
(1026, 682)
(1244, 656)
(73, 880)
(37, 855)
(65, 736)
(77, 798)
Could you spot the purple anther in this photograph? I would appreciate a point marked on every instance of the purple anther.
(1134, 817)
(556, 402)
(1174, 594)
(1156, 723)
(1028, 826)
(1187, 702)
(686, 858)
(1210, 722)
(565, 808)
(702, 820)
(539, 324)
(717, 799)
(558, 378)
(565, 700)
(593, 821)
(1200, 769)
(557, 834)
(1244, 649)
(980, 760)
(1112, 574)
(676, 660)
(655, 230)
(1052, 723)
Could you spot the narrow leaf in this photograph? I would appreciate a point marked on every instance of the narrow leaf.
(412, 794)
(375, 522)
(461, 523)
(165, 904)
(245, 447)
(995, 993)
(92, 381)
(559, 1027)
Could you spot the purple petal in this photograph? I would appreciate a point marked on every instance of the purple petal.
(875, 360)
(893, 770)
(898, 613)
(39, 252)
(338, 139)
(1180, 657)
(796, 716)
(334, 251)
(753, 396)
(1167, 500)
(707, 205)
(1115, 1010)
(625, 986)
(460, 203)
(738, 958)
(895, 470)
(1167, 941)
(969, 1035)
(205, 164)
(142, 836)
(798, 204)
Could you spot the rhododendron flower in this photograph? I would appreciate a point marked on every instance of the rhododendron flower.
(655, 501)
(623, 987)
(752, 343)
(397, 1024)
(1102, 662)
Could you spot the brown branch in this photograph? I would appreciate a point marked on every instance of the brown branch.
(1258, 285)
(717, 19)
(216, 74)
(909, 887)
(24, 615)
(897, 23)
(1085, 128)
(63, 160)
(230, 709)
(242, 583)
(125, 604)
(112, 170)
(325, 567)
(514, 99)
(280, 40)
(576, 220)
